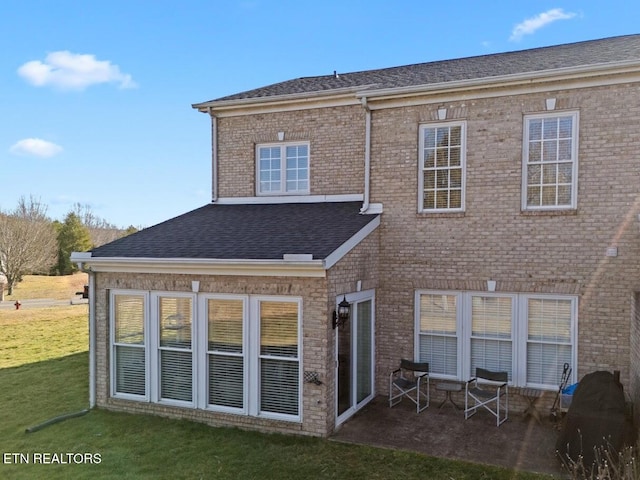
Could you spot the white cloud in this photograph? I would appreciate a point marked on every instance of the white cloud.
(72, 71)
(530, 25)
(35, 147)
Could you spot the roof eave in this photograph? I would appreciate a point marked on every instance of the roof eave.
(293, 98)
(201, 266)
(501, 81)
(352, 95)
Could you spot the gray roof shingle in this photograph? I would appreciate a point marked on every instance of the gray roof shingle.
(252, 232)
(592, 52)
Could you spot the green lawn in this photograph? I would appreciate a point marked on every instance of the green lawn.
(52, 380)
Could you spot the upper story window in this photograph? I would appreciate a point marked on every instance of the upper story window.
(283, 169)
(550, 161)
(441, 181)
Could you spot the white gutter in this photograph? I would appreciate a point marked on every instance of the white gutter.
(287, 98)
(92, 340)
(558, 74)
(296, 100)
(202, 266)
(367, 154)
(214, 156)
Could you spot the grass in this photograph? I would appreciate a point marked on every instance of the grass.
(44, 373)
(36, 334)
(43, 286)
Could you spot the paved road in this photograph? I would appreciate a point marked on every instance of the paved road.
(42, 302)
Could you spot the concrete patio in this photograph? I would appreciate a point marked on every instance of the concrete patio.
(519, 443)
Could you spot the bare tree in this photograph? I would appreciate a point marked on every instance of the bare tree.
(100, 230)
(27, 241)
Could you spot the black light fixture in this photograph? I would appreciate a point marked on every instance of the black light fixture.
(341, 316)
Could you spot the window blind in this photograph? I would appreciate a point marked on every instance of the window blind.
(128, 344)
(279, 363)
(438, 342)
(225, 352)
(491, 342)
(549, 339)
(176, 358)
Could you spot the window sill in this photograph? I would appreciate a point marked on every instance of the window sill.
(549, 213)
(426, 213)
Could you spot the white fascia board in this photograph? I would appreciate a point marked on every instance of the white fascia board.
(358, 197)
(347, 246)
(199, 266)
(586, 76)
(280, 103)
(373, 209)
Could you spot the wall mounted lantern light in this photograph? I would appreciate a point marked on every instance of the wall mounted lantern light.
(341, 316)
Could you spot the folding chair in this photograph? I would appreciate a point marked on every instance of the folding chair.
(409, 381)
(487, 390)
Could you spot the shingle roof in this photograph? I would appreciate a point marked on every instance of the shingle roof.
(593, 52)
(253, 232)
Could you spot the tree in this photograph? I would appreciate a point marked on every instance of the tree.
(27, 241)
(100, 230)
(73, 236)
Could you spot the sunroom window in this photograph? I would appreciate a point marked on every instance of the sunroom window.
(233, 353)
(129, 344)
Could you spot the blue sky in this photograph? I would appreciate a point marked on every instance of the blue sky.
(95, 96)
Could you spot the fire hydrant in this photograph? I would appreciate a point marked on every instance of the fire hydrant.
(17, 304)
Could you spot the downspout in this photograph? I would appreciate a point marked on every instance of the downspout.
(367, 154)
(92, 363)
(92, 340)
(214, 156)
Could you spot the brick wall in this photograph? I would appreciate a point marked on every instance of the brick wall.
(314, 346)
(560, 253)
(360, 264)
(336, 137)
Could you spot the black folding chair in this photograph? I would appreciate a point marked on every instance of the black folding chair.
(488, 390)
(410, 380)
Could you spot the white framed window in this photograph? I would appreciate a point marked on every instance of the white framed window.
(233, 353)
(441, 179)
(278, 356)
(550, 337)
(173, 355)
(226, 349)
(529, 336)
(282, 169)
(129, 353)
(550, 161)
(438, 327)
(491, 336)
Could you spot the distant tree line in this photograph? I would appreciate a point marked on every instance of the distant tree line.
(32, 243)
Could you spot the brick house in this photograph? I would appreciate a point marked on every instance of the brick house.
(477, 212)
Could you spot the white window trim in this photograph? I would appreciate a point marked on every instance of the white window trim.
(519, 333)
(254, 362)
(283, 169)
(574, 155)
(203, 353)
(113, 344)
(199, 346)
(459, 329)
(154, 344)
(524, 321)
(463, 164)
